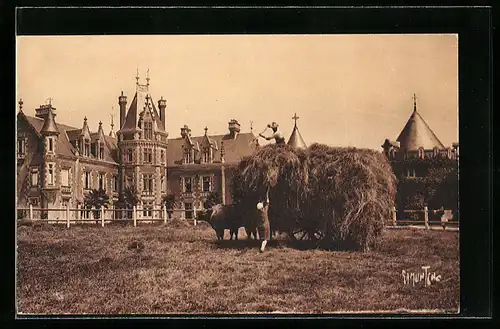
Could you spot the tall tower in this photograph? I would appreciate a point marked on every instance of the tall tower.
(142, 143)
(51, 167)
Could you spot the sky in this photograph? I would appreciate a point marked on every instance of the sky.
(347, 90)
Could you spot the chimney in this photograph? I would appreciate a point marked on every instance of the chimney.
(162, 104)
(122, 101)
(234, 128)
(185, 131)
(43, 110)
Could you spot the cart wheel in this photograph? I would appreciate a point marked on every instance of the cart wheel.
(302, 234)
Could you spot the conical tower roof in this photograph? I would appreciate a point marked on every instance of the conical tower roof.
(417, 133)
(296, 140)
(49, 125)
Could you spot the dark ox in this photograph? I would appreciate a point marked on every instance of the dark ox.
(232, 217)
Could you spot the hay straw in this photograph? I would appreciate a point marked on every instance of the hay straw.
(346, 192)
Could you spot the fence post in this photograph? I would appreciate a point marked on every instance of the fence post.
(102, 216)
(92, 212)
(426, 217)
(67, 216)
(394, 215)
(194, 215)
(134, 216)
(31, 212)
(165, 214)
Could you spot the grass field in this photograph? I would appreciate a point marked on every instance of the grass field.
(182, 269)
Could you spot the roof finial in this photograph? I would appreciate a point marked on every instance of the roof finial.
(295, 117)
(206, 130)
(137, 76)
(414, 102)
(147, 77)
(20, 104)
(251, 126)
(85, 119)
(49, 100)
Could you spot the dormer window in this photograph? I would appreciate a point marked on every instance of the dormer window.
(101, 181)
(86, 149)
(206, 155)
(101, 151)
(148, 130)
(21, 147)
(188, 156)
(420, 153)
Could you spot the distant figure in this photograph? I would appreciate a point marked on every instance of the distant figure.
(277, 135)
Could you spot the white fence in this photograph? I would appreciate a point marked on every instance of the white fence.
(446, 219)
(105, 216)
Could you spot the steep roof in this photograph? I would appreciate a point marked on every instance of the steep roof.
(136, 107)
(296, 140)
(416, 133)
(63, 144)
(234, 149)
(49, 126)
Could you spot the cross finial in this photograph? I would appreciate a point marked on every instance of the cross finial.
(85, 119)
(251, 126)
(49, 100)
(206, 129)
(414, 102)
(112, 124)
(20, 104)
(137, 76)
(147, 77)
(295, 117)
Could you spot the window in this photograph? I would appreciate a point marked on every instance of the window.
(51, 145)
(87, 148)
(114, 183)
(148, 184)
(101, 151)
(188, 156)
(129, 155)
(34, 177)
(21, 146)
(206, 155)
(87, 180)
(65, 177)
(51, 174)
(163, 185)
(188, 207)
(147, 209)
(188, 186)
(148, 155)
(65, 203)
(410, 172)
(148, 130)
(101, 181)
(207, 183)
(162, 156)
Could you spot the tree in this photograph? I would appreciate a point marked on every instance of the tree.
(169, 202)
(97, 199)
(212, 199)
(128, 199)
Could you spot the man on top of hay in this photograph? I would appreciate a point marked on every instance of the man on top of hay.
(277, 135)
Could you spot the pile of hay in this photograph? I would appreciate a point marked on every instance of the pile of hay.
(347, 193)
(278, 169)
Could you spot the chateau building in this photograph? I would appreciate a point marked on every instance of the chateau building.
(58, 165)
(416, 141)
